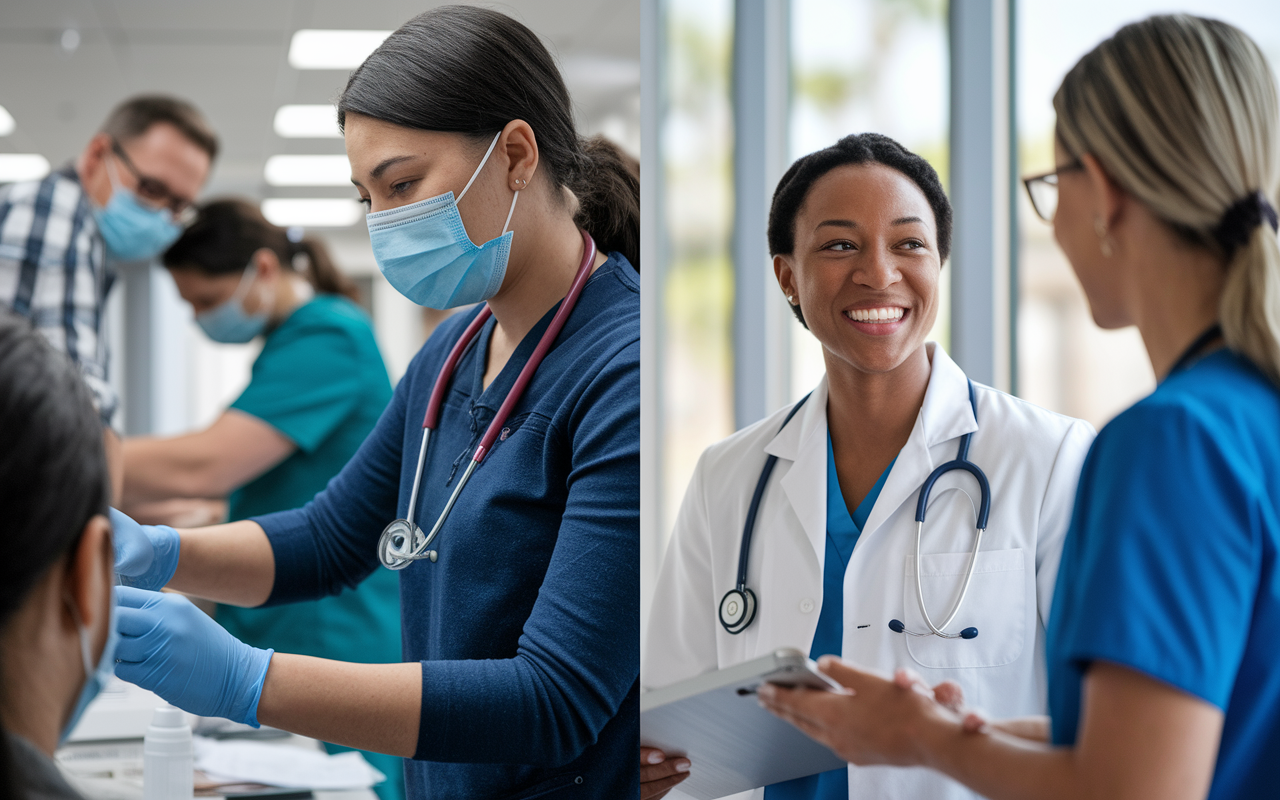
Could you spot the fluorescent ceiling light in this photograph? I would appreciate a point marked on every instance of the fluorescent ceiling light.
(6, 122)
(22, 167)
(307, 122)
(312, 212)
(308, 171)
(321, 49)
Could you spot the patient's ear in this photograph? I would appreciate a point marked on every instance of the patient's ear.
(90, 573)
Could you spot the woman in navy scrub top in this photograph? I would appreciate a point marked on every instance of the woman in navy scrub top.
(1162, 645)
(522, 639)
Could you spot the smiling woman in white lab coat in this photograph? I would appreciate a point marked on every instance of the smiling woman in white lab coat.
(858, 233)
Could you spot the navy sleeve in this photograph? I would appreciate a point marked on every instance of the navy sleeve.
(1165, 554)
(579, 653)
(331, 543)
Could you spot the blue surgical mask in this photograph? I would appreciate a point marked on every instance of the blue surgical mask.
(95, 677)
(133, 230)
(228, 322)
(425, 253)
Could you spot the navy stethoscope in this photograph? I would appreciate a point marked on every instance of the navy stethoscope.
(738, 606)
(402, 542)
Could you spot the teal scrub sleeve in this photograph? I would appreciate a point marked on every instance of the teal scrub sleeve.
(1160, 569)
(304, 386)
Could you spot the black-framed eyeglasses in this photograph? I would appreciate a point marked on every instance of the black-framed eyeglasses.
(1043, 190)
(154, 190)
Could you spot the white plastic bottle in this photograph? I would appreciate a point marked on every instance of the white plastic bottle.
(167, 757)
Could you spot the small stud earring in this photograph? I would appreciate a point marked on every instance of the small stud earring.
(791, 298)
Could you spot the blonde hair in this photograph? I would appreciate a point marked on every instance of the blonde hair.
(1182, 112)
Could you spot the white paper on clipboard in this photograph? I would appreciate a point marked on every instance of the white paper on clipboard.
(734, 745)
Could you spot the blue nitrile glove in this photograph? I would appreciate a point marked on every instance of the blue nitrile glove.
(146, 555)
(174, 649)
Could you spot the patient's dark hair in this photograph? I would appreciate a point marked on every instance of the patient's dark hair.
(53, 471)
(471, 70)
(227, 232)
(859, 148)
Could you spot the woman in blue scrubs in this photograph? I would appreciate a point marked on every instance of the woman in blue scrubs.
(316, 391)
(1162, 643)
(521, 633)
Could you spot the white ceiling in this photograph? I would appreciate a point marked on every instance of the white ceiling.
(229, 58)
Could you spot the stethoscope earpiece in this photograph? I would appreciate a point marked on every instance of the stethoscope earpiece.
(896, 626)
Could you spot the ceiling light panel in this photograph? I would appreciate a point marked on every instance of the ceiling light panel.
(308, 171)
(312, 48)
(22, 167)
(6, 122)
(307, 122)
(312, 212)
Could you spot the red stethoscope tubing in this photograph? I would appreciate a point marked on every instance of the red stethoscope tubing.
(432, 417)
(391, 545)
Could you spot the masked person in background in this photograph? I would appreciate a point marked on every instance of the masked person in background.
(57, 612)
(124, 199)
(316, 392)
(515, 518)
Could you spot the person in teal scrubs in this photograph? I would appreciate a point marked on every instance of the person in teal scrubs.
(317, 389)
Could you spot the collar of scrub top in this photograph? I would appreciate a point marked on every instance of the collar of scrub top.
(945, 415)
(1193, 351)
(402, 542)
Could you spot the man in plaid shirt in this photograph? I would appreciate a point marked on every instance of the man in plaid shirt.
(124, 199)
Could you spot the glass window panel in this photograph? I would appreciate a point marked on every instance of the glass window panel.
(698, 214)
(868, 66)
(1065, 362)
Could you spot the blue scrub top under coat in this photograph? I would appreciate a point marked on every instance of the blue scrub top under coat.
(1170, 565)
(843, 530)
(528, 627)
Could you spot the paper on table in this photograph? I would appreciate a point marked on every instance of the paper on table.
(283, 765)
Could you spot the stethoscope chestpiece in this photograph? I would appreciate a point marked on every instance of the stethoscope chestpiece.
(397, 544)
(737, 609)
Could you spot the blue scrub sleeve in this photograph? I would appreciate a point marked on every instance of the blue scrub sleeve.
(1165, 550)
(579, 654)
(305, 386)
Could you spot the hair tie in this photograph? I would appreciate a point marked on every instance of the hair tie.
(1239, 221)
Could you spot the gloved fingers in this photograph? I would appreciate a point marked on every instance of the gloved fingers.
(133, 549)
(131, 597)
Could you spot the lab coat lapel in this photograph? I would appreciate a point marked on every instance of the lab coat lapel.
(945, 415)
(804, 442)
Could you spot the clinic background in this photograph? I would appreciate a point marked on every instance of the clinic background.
(266, 74)
(721, 348)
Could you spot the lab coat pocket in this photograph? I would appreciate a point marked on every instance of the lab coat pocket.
(996, 605)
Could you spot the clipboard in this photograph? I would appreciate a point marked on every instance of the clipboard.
(735, 745)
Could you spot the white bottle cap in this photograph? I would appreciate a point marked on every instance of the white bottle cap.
(169, 733)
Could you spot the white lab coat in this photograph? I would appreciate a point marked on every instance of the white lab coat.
(1032, 458)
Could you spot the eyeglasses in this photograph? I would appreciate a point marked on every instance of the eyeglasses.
(1043, 190)
(154, 190)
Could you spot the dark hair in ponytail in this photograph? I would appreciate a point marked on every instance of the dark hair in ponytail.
(470, 70)
(53, 471)
(226, 234)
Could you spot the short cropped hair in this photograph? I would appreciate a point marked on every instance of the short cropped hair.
(135, 116)
(859, 148)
